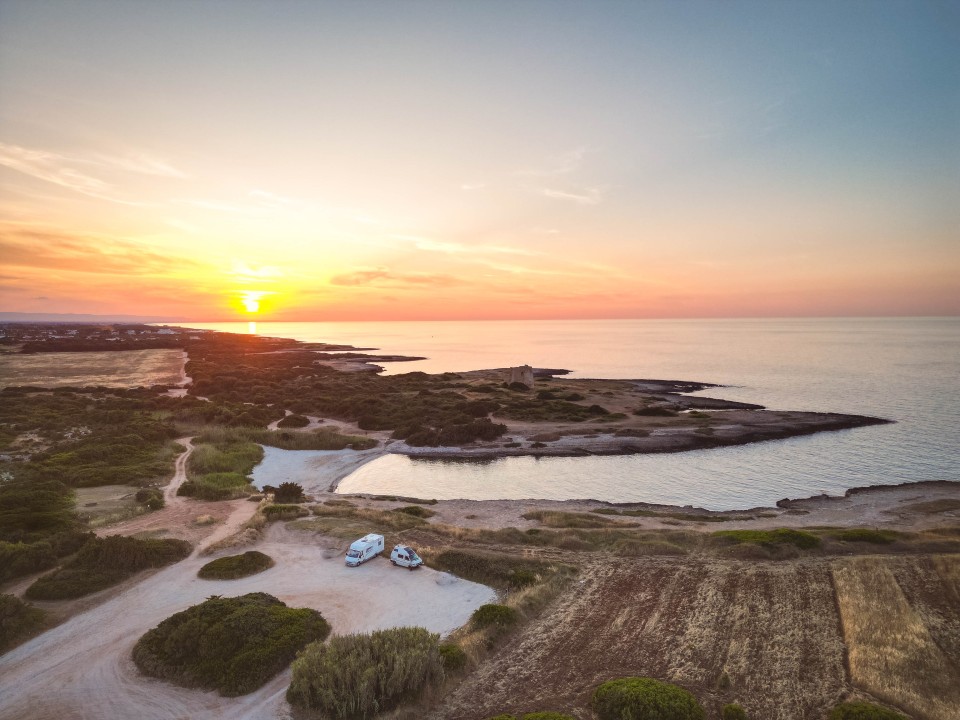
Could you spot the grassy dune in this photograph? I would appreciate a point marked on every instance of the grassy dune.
(891, 651)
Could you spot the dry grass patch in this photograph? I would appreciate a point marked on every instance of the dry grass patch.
(891, 652)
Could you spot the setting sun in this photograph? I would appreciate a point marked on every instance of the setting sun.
(251, 300)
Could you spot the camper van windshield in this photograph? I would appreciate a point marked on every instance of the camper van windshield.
(353, 553)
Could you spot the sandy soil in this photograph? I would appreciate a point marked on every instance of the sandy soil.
(82, 669)
(316, 470)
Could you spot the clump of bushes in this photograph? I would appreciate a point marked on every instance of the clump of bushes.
(867, 535)
(18, 621)
(641, 698)
(452, 656)
(232, 567)
(358, 676)
(294, 421)
(863, 711)
(655, 411)
(491, 614)
(289, 492)
(780, 536)
(23, 558)
(151, 497)
(416, 511)
(233, 645)
(103, 562)
(733, 711)
(215, 486)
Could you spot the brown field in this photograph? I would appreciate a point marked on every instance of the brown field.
(765, 634)
(130, 368)
(894, 655)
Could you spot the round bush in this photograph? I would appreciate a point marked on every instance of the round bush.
(491, 614)
(232, 567)
(733, 712)
(294, 421)
(640, 698)
(863, 711)
(453, 657)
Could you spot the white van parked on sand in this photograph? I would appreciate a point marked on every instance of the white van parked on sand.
(369, 546)
(405, 556)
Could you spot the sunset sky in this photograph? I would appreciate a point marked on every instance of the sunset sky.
(315, 160)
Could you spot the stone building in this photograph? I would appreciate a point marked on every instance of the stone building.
(522, 374)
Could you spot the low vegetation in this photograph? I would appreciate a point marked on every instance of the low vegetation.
(233, 645)
(733, 711)
(272, 513)
(103, 562)
(293, 421)
(639, 698)
(558, 519)
(780, 536)
(236, 566)
(492, 614)
(19, 621)
(863, 711)
(354, 677)
(498, 570)
(535, 716)
(866, 535)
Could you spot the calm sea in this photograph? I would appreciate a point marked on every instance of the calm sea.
(904, 369)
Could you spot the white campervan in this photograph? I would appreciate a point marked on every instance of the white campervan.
(404, 556)
(361, 550)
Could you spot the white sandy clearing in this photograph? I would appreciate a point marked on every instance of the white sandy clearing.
(316, 470)
(82, 668)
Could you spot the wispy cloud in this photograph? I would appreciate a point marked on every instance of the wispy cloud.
(453, 248)
(382, 277)
(586, 196)
(246, 273)
(59, 170)
(58, 250)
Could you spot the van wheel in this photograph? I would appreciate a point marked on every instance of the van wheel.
(393, 561)
(411, 568)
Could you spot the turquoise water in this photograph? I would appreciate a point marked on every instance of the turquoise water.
(904, 369)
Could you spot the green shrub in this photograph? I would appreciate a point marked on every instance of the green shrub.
(103, 562)
(453, 657)
(20, 558)
(639, 698)
(863, 711)
(233, 645)
(151, 497)
(215, 486)
(18, 621)
(547, 716)
(780, 536)
(733, 712)
(294, 421)
(289, 492)
(867, 535)
(232, 567)
(492, 614)
(358, 676)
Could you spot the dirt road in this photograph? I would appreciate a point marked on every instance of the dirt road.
(82, 669)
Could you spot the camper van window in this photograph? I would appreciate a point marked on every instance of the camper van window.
(353, 554)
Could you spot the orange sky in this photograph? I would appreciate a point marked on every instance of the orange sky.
(196, 161)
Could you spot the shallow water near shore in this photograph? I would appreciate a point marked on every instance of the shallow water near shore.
(903, 369)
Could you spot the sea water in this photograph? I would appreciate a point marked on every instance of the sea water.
(902, 369)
